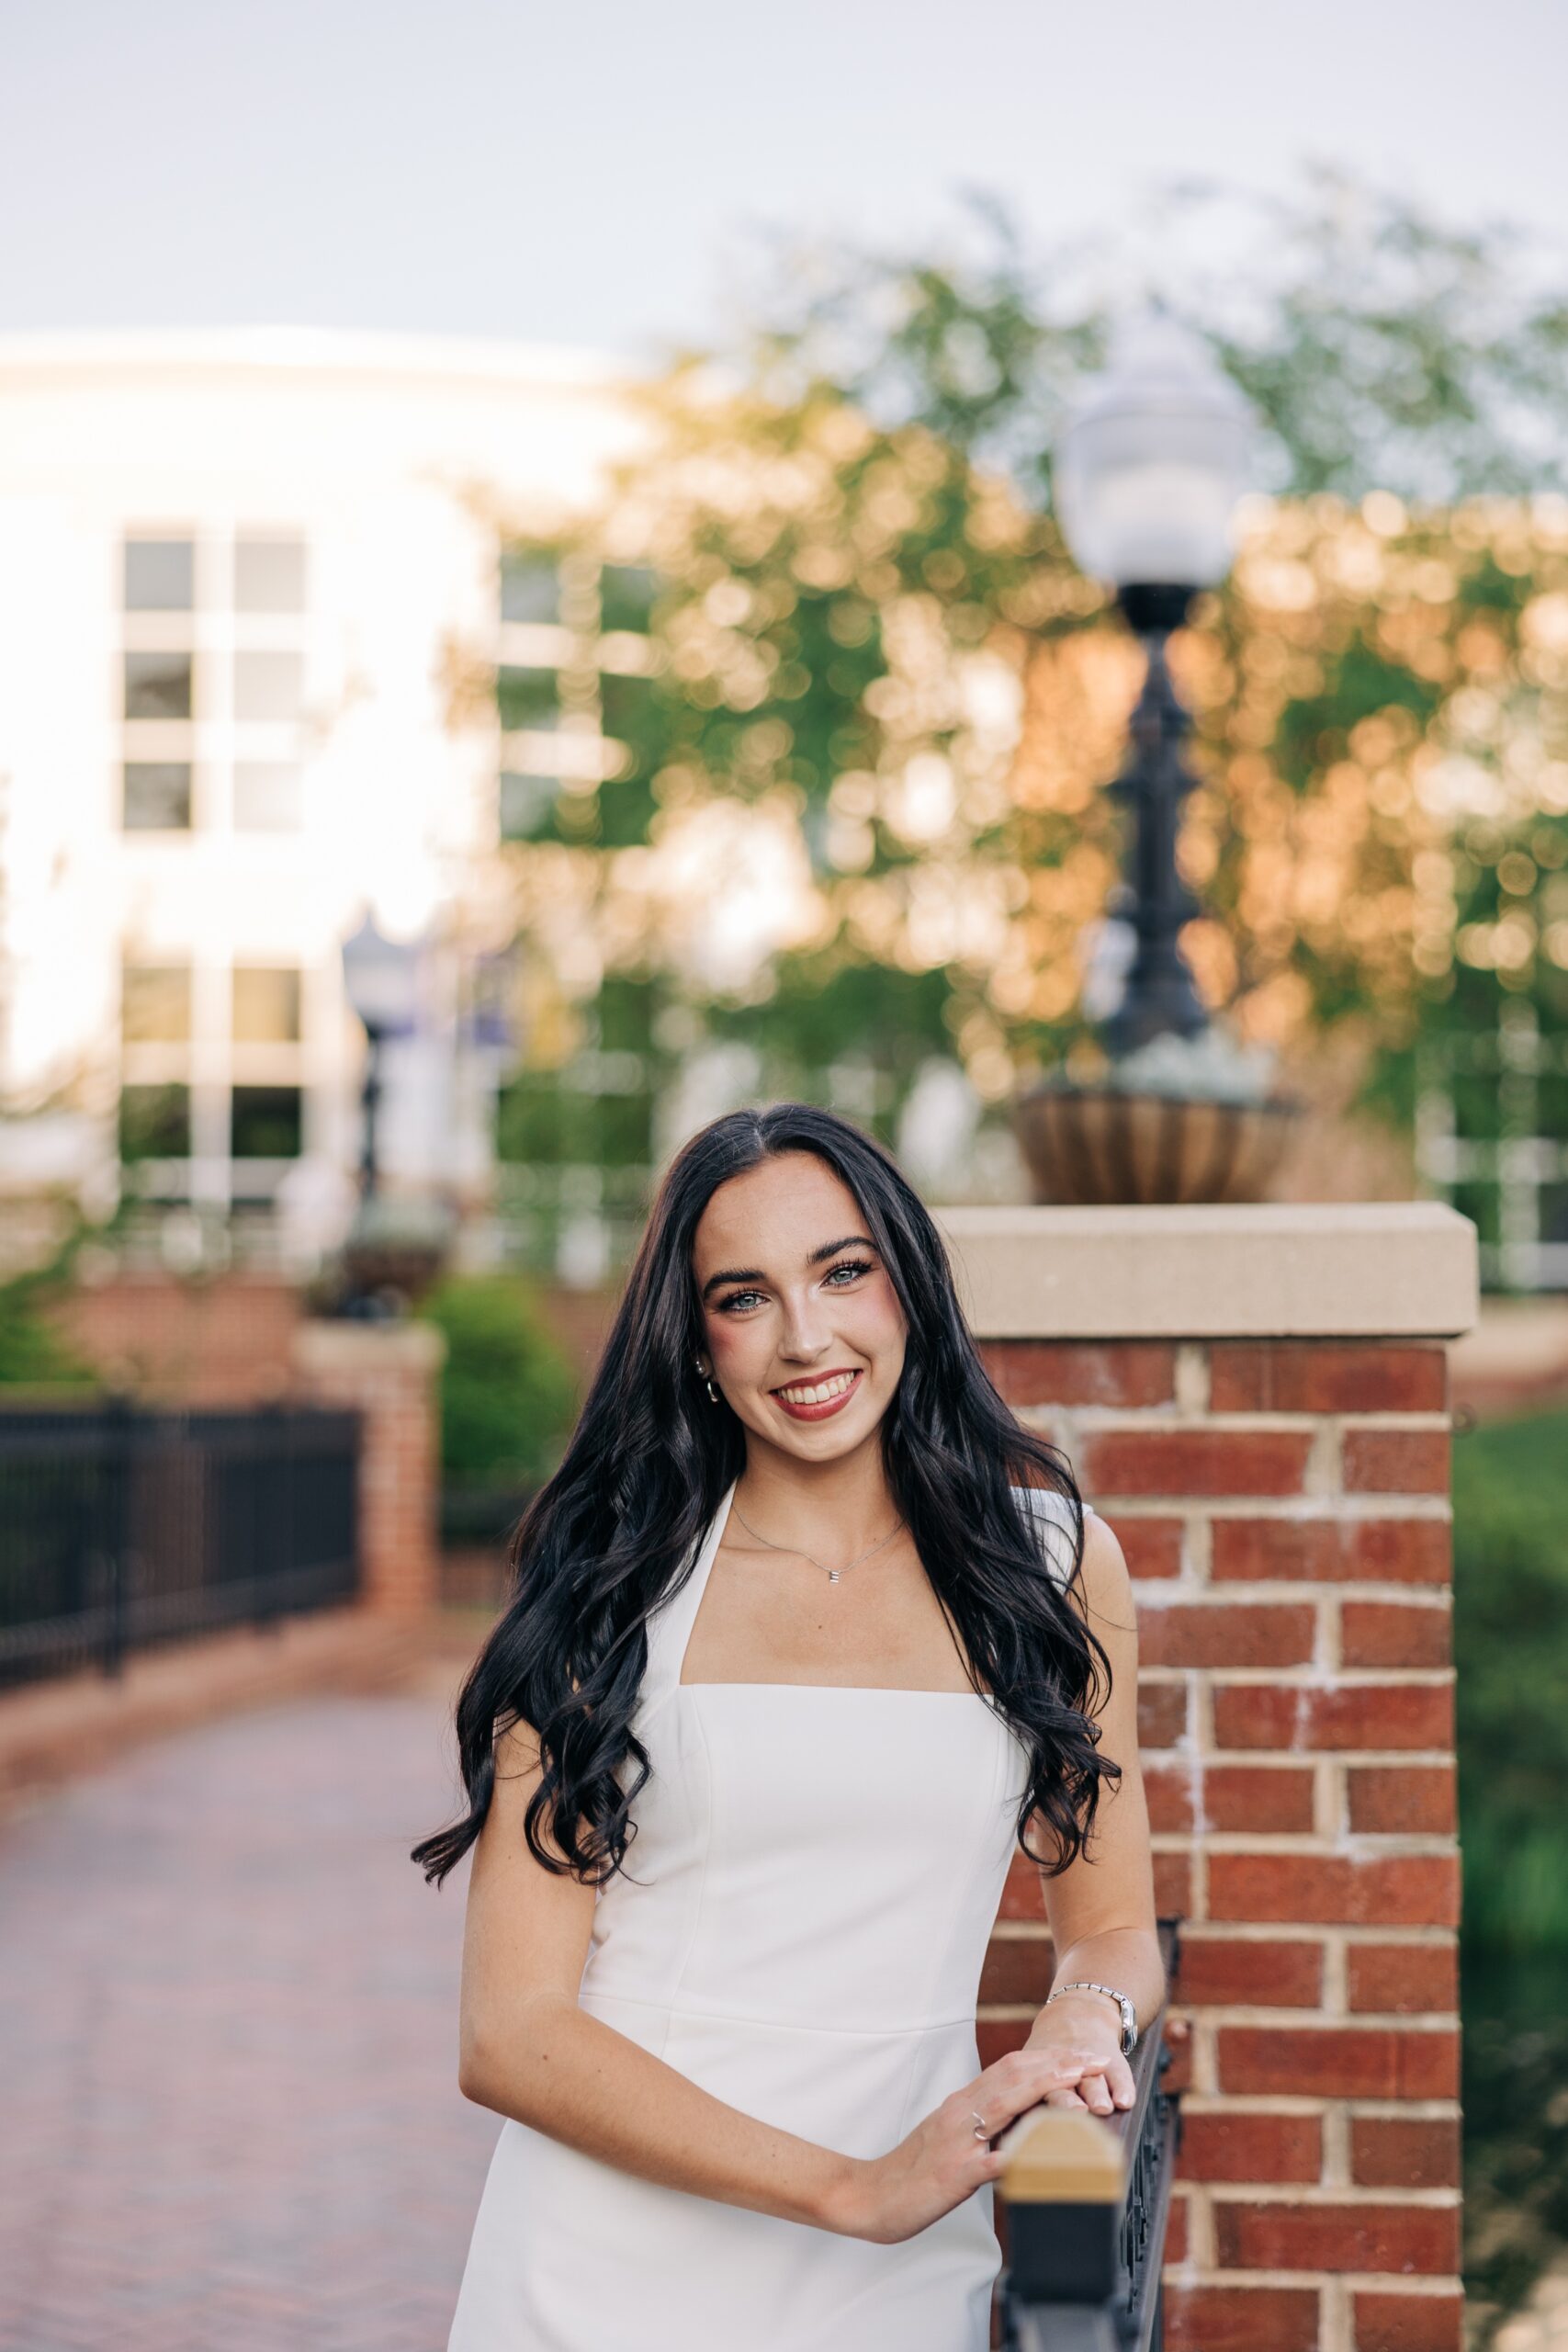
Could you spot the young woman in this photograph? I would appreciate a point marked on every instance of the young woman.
(808, 1635)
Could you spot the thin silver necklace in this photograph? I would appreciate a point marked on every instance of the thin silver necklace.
(832, 1575)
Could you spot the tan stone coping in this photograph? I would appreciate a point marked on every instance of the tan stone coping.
(1270, 1269)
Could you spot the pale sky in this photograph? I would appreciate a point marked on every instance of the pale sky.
(592, 173)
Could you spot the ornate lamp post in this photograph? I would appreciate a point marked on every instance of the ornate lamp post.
(394, 1246)
(381, 979)
(1149, 472)
(1150, 469)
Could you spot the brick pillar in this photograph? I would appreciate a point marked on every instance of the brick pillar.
(1256, 1398)
(388, 1372)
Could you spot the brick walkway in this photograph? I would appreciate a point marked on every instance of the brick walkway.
(228, 2013)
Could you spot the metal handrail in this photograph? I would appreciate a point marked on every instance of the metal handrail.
(1087, 2199)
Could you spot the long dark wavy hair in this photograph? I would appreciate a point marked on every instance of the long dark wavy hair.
(618, 1528)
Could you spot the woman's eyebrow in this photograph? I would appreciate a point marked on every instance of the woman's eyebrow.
(733, 1275)
(831, 1248)
(755, 1274)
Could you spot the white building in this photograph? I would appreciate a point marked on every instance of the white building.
(236, 573)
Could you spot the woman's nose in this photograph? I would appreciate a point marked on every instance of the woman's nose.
(806, 1333)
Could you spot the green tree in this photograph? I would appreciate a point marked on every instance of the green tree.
(866, 632)
(1382, 347)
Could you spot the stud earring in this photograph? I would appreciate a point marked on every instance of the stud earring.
(707, 1378)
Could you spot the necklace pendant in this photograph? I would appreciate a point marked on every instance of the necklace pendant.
(833, 1574)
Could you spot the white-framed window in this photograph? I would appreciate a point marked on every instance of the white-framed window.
(269, 687)
(154, 1003)
(269, 573)
(574, 657)
(213, 678)
(159, 575)
(264, 1004)
(155, 796)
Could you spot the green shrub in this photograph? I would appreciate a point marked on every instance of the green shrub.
(508, 1391)
(1515, 2096)
(33, 1354)
(1510, 1493)
(1511, 1640)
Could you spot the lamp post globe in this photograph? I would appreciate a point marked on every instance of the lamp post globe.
(1153, 462)
(1149, 470)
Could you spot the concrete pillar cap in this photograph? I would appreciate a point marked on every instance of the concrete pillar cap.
(1272, 1268)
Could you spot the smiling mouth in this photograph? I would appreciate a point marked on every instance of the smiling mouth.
(813, 1401)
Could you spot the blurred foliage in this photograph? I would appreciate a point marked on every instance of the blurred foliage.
(1381, 348)
(33, 1352)
(854, 798)
(869, 1023)
(604, 1121)
(526, 698)
(1510, 1491)
(1515, 2095)
(508, 1392)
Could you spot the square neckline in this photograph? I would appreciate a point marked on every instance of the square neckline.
(857, 1689)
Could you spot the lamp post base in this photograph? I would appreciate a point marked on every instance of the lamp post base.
(1096, 1146)
(393, 1252)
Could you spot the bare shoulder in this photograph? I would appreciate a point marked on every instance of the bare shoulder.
(1105, 1570)
(1102, 1587)
(1104, 1580)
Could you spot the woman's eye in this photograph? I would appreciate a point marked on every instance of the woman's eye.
(742, 1302)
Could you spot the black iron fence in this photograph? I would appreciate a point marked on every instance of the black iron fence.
(1087, 2200)
(121, 1527)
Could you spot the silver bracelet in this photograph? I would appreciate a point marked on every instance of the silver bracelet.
(1129, 2014)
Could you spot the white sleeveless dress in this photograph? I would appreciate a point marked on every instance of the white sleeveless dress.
(816, 1874)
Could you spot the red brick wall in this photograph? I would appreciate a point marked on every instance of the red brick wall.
(389, 1373)
(1283, 1507)
(227, 1341)
(241, 1339)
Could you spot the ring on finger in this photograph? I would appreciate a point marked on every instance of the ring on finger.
(982, 2129)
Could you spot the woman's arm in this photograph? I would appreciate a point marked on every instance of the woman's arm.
(1102, 1908)
(529, 2052)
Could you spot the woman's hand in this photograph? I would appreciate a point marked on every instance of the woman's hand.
(942, 2161)
(1084, 2030)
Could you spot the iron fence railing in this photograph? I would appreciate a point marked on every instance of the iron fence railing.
(121, 1527)
(1085, 2201)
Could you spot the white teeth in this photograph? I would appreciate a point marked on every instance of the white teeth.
(821, 1393)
